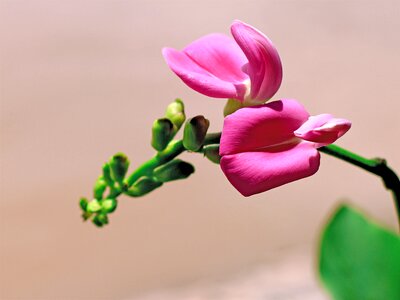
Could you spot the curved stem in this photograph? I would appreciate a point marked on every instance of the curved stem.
(376, 166)
(173, 150)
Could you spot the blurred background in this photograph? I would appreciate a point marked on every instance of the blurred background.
(82, 80)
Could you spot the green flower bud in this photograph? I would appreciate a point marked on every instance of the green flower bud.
(99, 188)
(176, 113)
(143, 186)
(93, 206)
(162, 133)
(212, 153)
(109, 205)
(86, 215)
(173, 170)
(100, 220)
(195, 132)
(83, 203)
(119, 164)
(107, 175)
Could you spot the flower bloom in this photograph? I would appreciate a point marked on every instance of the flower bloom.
(265, 146)
(246, 68)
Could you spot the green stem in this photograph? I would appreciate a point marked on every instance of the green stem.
(212, 138)
(375, 166)
(173, 150)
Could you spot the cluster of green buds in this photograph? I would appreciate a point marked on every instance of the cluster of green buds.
(161, 168)
(111, 180)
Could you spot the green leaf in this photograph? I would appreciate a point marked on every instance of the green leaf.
(359, 259)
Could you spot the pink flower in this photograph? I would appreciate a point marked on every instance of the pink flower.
(246, 68)
(263, 147)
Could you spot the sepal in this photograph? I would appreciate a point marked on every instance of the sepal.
(231, 106)
(212, 153)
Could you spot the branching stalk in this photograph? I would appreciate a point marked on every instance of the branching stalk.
(376, 166)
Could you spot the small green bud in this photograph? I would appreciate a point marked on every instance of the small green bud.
(162, 133)
(195, 132)
(99, 188)
(176, 113)
(83, 202)
(173, 170)
(93, 206)
(107, 175)
(109, 205)
(86, 215)
(212, 153)
(100, 220)
(119, 164)
(143, 186)
(231, 106)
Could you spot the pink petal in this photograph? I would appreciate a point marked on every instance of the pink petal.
(211, 65)
(219, 55)
(264, 68)
(256, 172)
(256, 127)
(323, 129)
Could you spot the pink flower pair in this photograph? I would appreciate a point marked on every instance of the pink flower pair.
(262, 146)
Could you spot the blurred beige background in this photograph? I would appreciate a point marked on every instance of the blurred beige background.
(81, 80)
